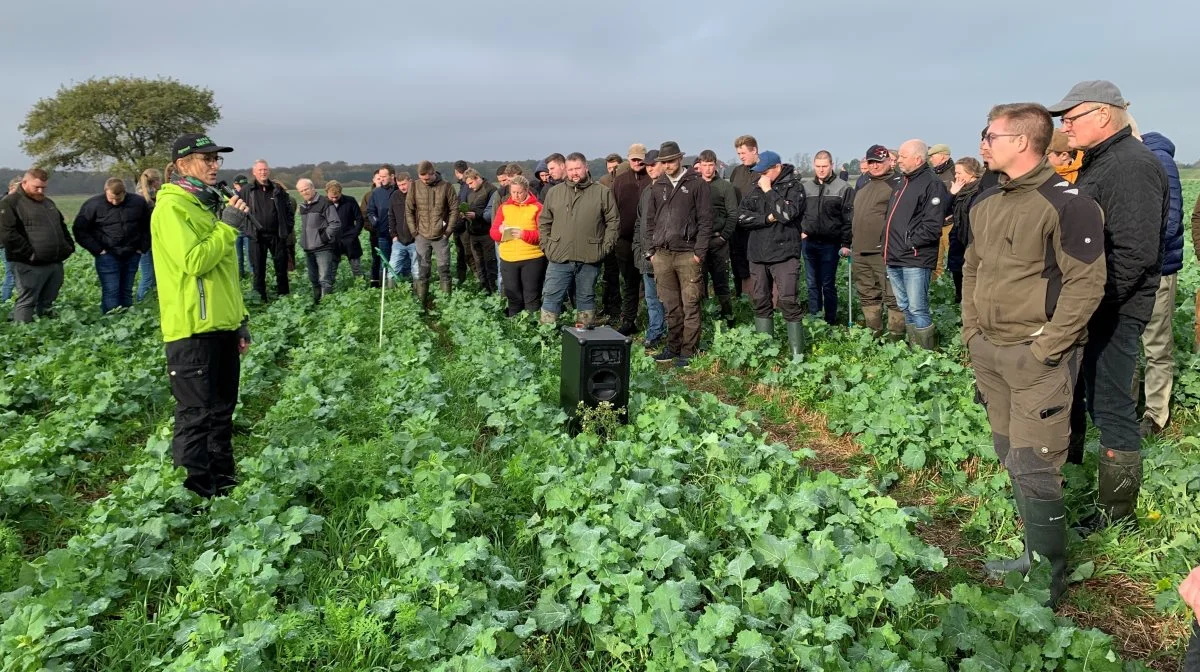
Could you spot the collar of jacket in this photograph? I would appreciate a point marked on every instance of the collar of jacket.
(946, 165)
(1031, 180)
(530, 199)
(831, 178)
(924, 167)
(582, 184)
(269, 186)
(1092, 154)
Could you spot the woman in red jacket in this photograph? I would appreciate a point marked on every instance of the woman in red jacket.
(522, 263)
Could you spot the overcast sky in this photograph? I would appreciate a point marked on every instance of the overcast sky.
(306, 81)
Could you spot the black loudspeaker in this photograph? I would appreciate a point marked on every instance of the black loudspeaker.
(595, 368)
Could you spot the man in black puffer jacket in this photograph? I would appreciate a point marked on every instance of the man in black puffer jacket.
(770, 213)
(35, 237)
(1128, 182)
(115, 228)
(912, 229)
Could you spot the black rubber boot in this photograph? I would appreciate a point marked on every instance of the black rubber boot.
(1046, 535)
(795, 335)
(764, 325)
(924, 338)
(422, 290)
(726, 305)
(1119, 480)
(996, 569)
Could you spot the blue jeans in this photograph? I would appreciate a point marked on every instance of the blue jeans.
(10, 280)
(562, 277)
(245, 260)
(147, 283)
(911, 287)
(657, 327)
(821, 265)
(403, 260)
(117, 273)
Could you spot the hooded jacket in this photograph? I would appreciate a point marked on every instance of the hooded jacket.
(320, 226)
(1034, 272)
(916, 213)
(579, 222)
(1129, 183)
(115, 229)
(680, 218)
(770, 242)
(33, 232)
(1164, 149)
(195, 266)
(828, 210)
(431, 210)
(627, 189)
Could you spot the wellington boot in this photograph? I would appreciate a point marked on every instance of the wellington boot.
(1119, 480)
(996, 569)
(873, 317)
(586, 318)
(421, 287)
(795, 335)
(547, 317)
(925, 338)
(764, 325)
(726, 305)
(895, 325)
(446, 287)
(1046, 535)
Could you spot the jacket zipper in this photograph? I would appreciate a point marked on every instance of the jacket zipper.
(203, 302)
(887, 233)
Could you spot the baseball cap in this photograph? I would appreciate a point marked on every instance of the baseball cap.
(651, 157)
(194, 143)
(1091, 91)
(766, 161)
(241, 179)
(876, 153)
(637, 151)
(939, 149)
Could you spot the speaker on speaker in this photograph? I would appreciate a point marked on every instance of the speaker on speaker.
(595, 369)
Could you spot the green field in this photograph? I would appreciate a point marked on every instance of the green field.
(422, 506)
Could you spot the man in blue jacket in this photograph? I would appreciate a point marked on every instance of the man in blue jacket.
(377, 214)
(1158, 339)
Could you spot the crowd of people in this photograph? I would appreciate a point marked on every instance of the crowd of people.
(1063, 245)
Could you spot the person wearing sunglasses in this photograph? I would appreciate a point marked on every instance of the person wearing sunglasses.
(204, 320)
(1129, 183)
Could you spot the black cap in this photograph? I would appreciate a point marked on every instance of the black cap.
(876, 153)
(195, 143)
(241, 179)
(651, 157)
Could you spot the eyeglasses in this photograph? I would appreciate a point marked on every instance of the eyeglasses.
(213, 160)
(636, 161)
(991, 137)
(1068, 121)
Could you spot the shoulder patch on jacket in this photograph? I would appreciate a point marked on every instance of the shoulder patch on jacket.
(1080, 220)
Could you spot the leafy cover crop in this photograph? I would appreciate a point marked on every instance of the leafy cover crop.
(423, 507)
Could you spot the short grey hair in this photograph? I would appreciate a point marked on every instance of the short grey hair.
(302, 182)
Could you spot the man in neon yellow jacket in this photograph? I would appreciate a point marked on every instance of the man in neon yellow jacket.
(204, 320)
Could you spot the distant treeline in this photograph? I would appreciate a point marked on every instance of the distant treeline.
(350, 175)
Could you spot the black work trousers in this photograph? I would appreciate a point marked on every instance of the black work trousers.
(205, 370)
(260, 247)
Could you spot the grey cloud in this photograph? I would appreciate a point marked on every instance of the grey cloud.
(372, 81)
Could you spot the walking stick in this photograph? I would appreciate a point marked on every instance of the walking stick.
(385, 267)
(850, 289)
